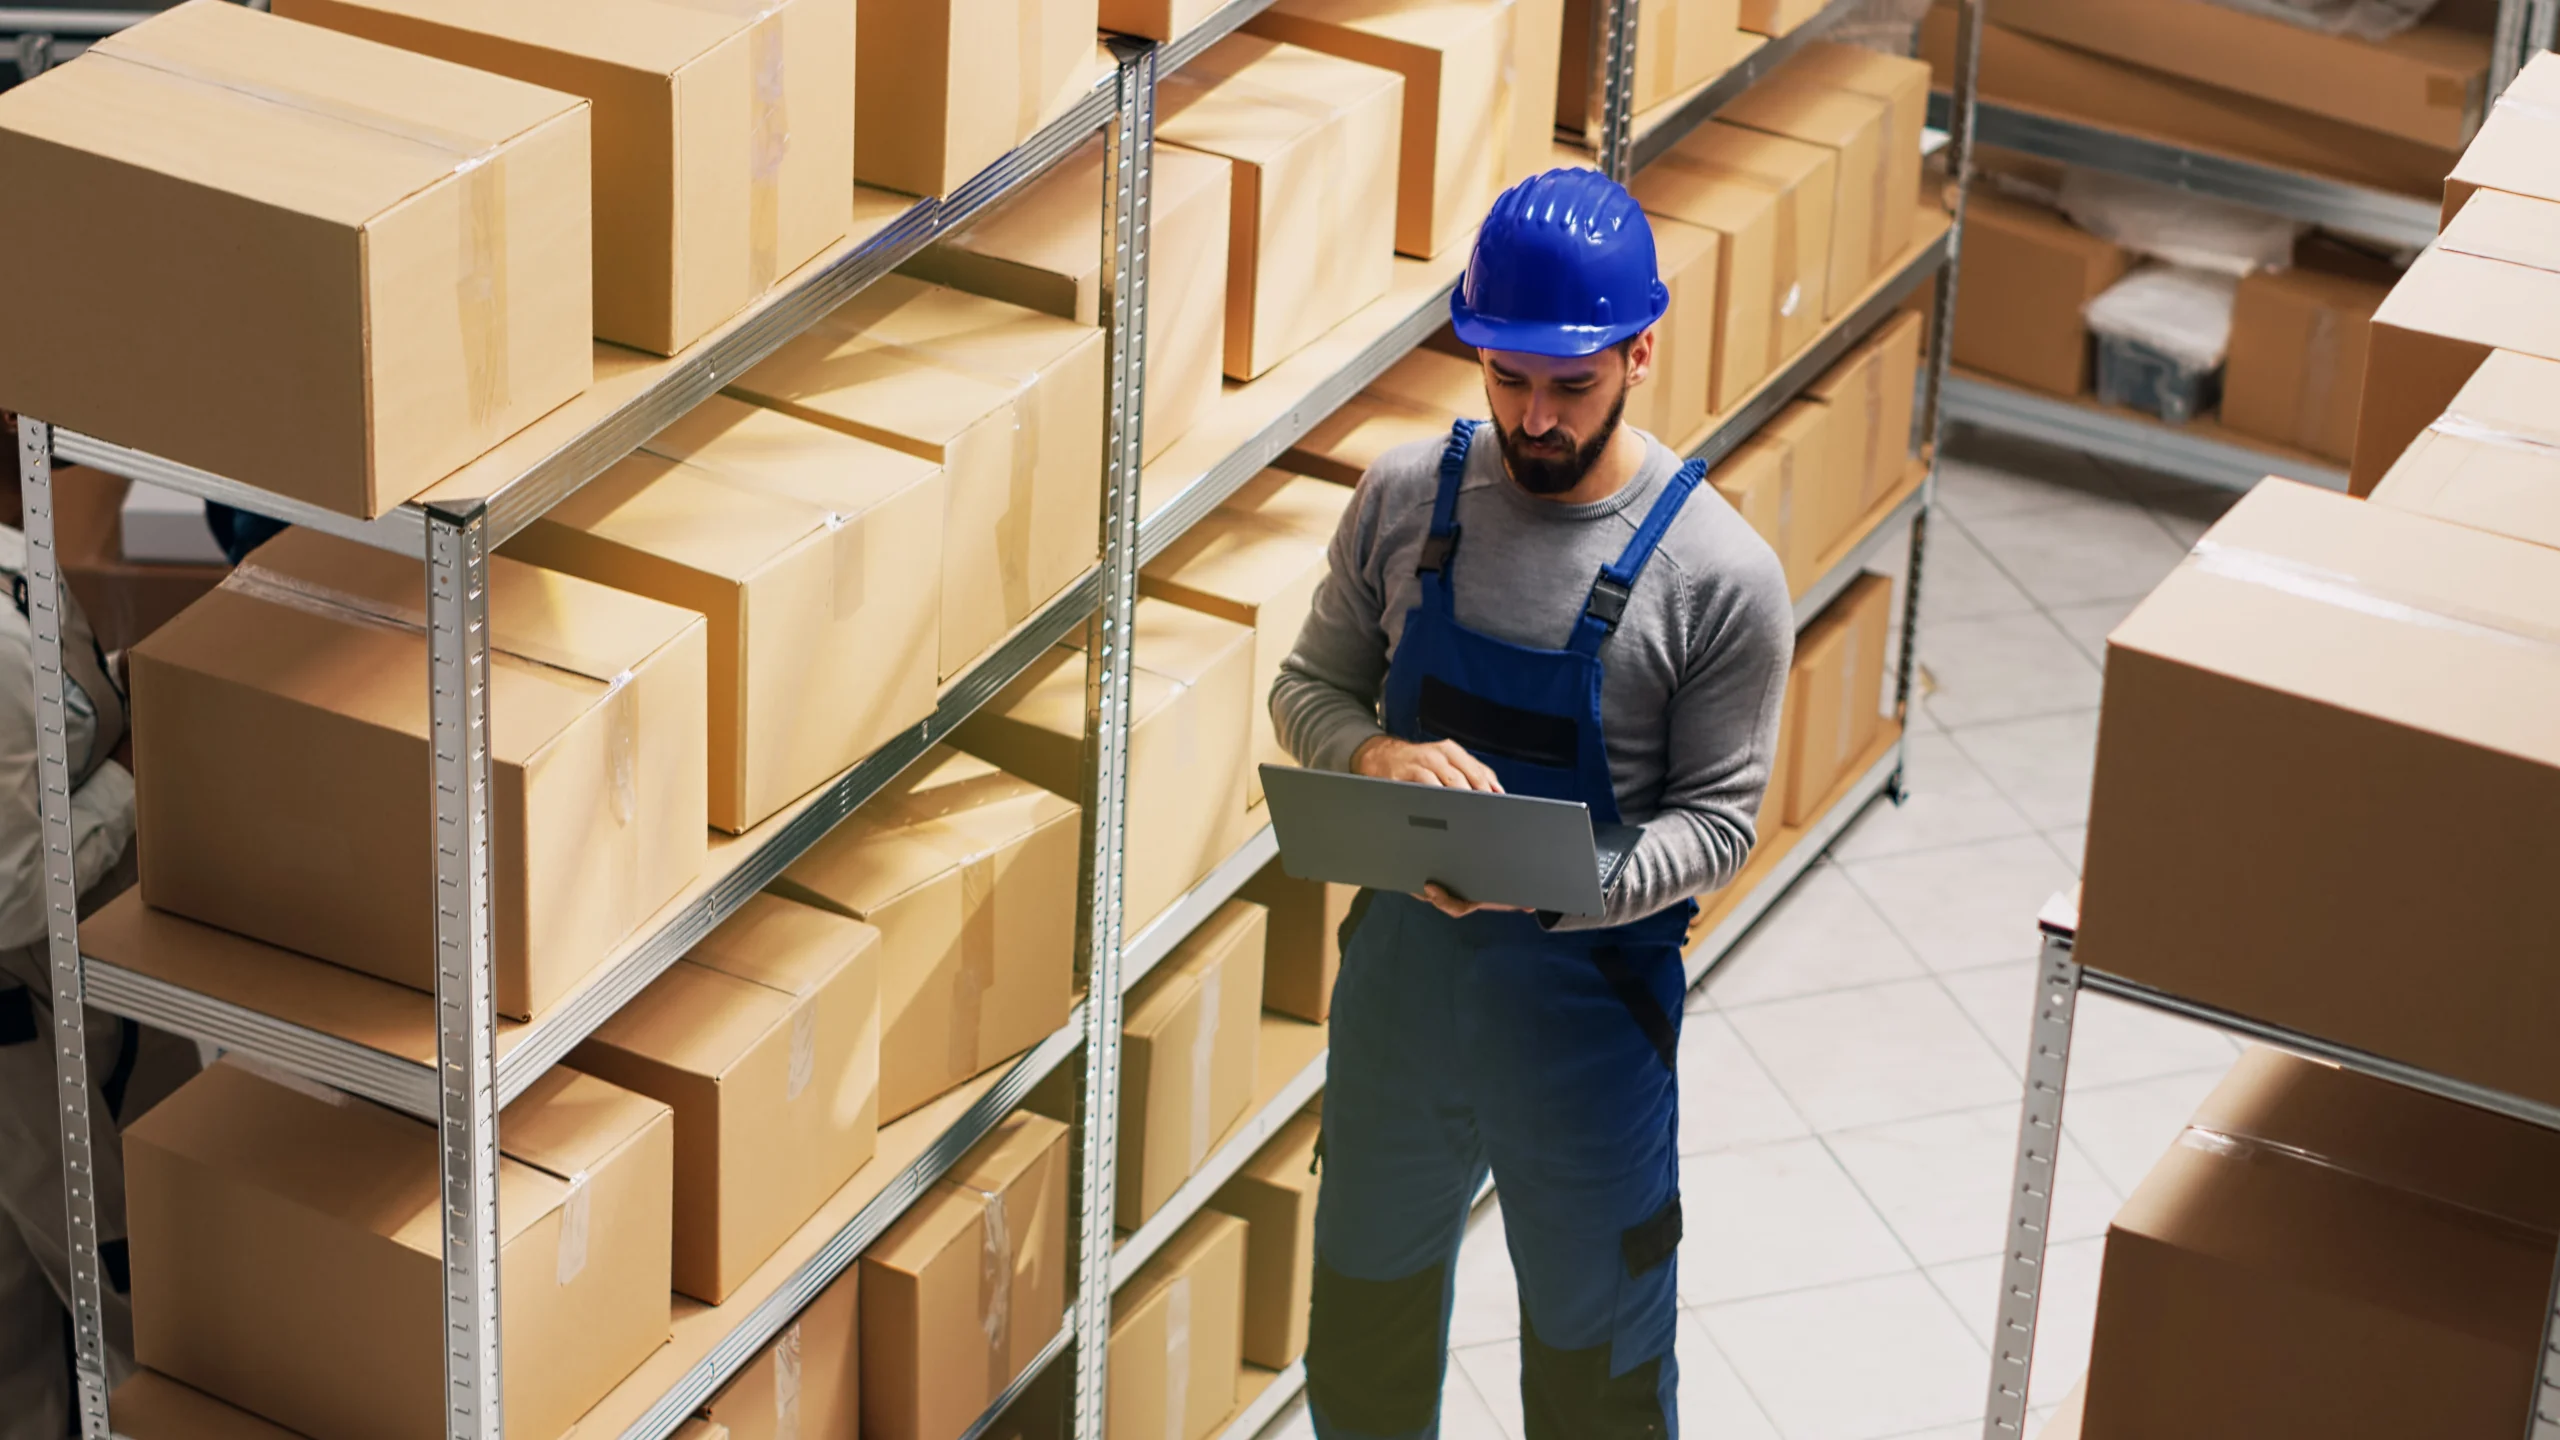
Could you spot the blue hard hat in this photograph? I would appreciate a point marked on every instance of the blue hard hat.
(1563, 266)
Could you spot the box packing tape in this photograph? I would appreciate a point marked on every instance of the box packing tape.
(1177, 1353)
(1786, 536)
(845, 538)
(786, 1384)
(2251, 1149)
(995, 1287)
(575, 1208)
(977, 961)
(768, 127)
(2319, 377)
(2457, 426)
(2339, 590)
(1871, 363)
(804, 1048)
(1877, 226)
(1844, 741)
(480, 286)
(1204, 1062)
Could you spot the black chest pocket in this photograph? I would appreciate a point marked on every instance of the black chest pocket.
(1489, 727)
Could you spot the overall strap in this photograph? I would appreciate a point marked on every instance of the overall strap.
(1617, 581)
(1441, 545)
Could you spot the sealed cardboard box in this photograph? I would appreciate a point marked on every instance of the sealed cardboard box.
(813, 557)
(1874, 388)
(1855, 129)
(1256, 561)
(1041, 248)
(1187, 1050)
(2493, 461)
(151, 1406)
(1680, 44)
(1305, 947)
(970, 875)
(1802, 179)
(1006, 400)
(1177, 1335)
(2518, 147)
(2428, 83)
(1275, 1196)
(1537, 42)
(2311, 638)
(1156, 19)
(1840, 672)
(310, 661)
(1901, 85)
(125, 601)
(807, 1382)
(968, 1287)
(1746, 217)
(1190, 743)
(1824, 455)
(943, 88)
(1759, 481)
(2027, 273)
(1419, 398)
(386, 257)
(287, 1250)
(1777, 17)
(1456, 57)
(765, 1042)
(2325, 1253)
(2298, 344)
(723, 135)
(1314, 141)
(1672, 403)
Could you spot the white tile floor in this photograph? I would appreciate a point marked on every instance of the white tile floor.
(1850, 1074)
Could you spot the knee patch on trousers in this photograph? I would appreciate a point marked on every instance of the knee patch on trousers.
(1570, 1394)
(1373, 1349)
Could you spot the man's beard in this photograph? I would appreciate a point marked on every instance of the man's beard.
(1550, 469)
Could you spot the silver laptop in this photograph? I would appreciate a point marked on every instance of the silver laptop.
(1494, 849)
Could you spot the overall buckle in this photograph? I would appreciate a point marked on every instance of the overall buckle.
(1608, 602)
(1436, 550)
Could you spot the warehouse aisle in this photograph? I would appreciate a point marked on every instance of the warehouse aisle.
(1850, 1076)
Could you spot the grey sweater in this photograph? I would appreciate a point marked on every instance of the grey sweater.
(1695, 674)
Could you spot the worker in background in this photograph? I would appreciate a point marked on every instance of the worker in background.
(1550, 604)
(130, 1066)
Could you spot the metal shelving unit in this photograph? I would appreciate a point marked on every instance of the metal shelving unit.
(2060, 979)
(454, 1074)
(2208, 455)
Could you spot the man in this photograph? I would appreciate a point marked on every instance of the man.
(1565, 612)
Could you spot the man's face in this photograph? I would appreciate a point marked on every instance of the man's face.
(1555, 417)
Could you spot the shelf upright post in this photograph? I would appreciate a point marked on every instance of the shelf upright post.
(466, 950)
(2031, 1196)
(1609, 124)
(1128, 162)
(2509, 47)
(62, 928)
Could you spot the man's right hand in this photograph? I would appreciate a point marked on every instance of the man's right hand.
(1440, 762)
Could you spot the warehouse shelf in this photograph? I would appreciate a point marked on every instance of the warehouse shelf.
(1289, 1068)
(1849, 557)
(2365, 210)
(1780, 860)
(1021, 1384)
(1260, 1397)
(2199, 450)
(1667, 124)
(1186, 47)
(1187, 914)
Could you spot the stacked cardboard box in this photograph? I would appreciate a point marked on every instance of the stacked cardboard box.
(2027, 273)
(1305, 947)
(943, 88)
(807, 1382)
(2298, 343)
(1835, 699)
(1680, 45)
(1417, 399)
(1275, 1195)
(1177, 1334)
(1187, 1051)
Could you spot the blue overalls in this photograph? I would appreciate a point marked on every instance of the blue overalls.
(1459, 1044)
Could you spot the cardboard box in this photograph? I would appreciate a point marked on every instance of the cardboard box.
(346, 280)
(311, 662)
(965, 1291)
(124, 601)
(1672, 403)
(2027, 272)
(807, 1382)
(1759, 481)
(151, 1406)
(723, 135)
(1777, 17)
(1177, 1335)
(1006, 400)
(1901, 85)
(2493, 461)
(1157, 19)
(1680, 45)
(1187, 1051)
(1855, 129)
(1537, 44)
(1257, 561)
(1314, 141)
(1746, 216)
(1825, 450)
(1454, 56)
(1419, 398)
(2298, 343)
(2518, 147)
(1275, 1196)
(1873, 389)
(1190, 743)
(1041, 248)
(2324, 1253)
(943, 88)
(2064, 1422)
(2022, 70)
(970, 875)
(1304, 951)
(1838, 684)
(765, 1042)
(2427, 84)
(287, 1251)
(2230, 863)
(812, 556)
(1803, 180)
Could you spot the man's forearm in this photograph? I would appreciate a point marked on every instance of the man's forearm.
(1321, 724)
(1683, 853)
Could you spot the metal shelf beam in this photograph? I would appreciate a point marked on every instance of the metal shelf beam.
(2131, 439)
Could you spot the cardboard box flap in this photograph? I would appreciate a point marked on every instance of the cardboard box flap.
(1253, 100)
(1155, 1000)
(2451, 630)
(977, 809)
(653, 40)
(696, 1019)
(1055, 228)
(890, 363)
(1772, 162)
(865, 863)
(568, 1123)
(2498, 226)
(2513, 149)
(1288, 1159)
(1296, 503)
(1444, 385)
(1188, 1246)
(1717, 199)
(1794, 103)
(783, 945)
(151, 1406)
(1236, 563)
(943, 1217)
(1048, 696)
(314, 122)
(1007, 1153)
(2510, 397)
(1177, 643)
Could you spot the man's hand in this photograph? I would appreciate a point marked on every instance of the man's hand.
(1457, 909)
(1441, 762)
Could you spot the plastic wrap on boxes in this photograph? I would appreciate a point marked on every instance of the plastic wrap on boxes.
(1890, 27)
(2362, 19)
(2173, 225)
(2162, 333)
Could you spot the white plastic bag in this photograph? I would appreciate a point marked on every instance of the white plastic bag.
(1890, 26)
(2168, 224)
(2363, 19)
(2182, 313)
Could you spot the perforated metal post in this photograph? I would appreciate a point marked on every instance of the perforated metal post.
(2013, 1342)
(1609, 122)
(466, 951)
(62, 925)
(1128, 162)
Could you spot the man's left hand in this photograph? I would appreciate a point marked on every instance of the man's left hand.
(1457, 909)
